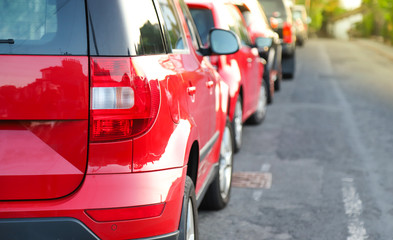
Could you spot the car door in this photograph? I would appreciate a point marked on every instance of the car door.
(248, 58)
(202, 94)
(196, 75)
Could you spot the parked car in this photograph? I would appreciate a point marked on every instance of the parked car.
(300, 20)
(113, 125)
(267, 41)
(242, 71)
(280, 17)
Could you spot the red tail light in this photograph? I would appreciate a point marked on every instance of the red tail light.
(124, 103)
(287, 33)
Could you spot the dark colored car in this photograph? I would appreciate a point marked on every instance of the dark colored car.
(267, 41)
(113, 125)
(280, 16)
(242, 71)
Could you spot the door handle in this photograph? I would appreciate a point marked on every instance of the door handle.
(209, 84)
(191, 90)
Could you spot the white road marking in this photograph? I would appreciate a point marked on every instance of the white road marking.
(265, 167)
(353, 209)
(257, 194)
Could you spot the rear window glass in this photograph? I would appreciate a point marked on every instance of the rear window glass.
(124, 28)
(298, 13)
(43, 27)
(203, 19)
(271, 6)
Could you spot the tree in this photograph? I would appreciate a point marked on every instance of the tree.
(378, 20)
(320, 11)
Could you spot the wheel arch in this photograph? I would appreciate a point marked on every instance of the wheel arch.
(193, 162)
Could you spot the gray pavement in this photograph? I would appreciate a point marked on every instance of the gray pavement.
(327, 143)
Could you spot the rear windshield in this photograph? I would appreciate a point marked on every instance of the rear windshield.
(124, 28)
(43, 27)
(299, 14)
(271, 6)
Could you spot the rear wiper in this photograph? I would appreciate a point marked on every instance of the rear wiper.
(9, 41)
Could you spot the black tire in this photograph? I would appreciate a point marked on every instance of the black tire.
(289, 66)
(300, 41)
(277, 83)
(189, 206)
(219, 192)
(278, 67)
(237, 125)
(266, 79)
(259, 115)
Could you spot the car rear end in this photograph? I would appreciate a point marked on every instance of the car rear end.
(278, 12)
(77, 94)
(260, 31)
(299, 15)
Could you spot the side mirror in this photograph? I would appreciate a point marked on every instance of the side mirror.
(263, 43)
(223, 42)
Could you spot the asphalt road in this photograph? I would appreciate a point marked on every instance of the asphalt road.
(325, 152)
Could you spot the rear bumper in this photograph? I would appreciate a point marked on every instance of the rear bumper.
(45, 228)
(55, 228)
(106, 191)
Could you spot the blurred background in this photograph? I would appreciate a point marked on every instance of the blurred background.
(345, 19)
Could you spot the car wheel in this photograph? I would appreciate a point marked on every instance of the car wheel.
(188, 228)
(237, 124)
(219, 192)
(266, 79)
(277, 83)
(258, 116)
(289, 66)
(300, 41)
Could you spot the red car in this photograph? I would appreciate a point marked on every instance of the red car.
(113, 125)
(242, 71)
(267, 41)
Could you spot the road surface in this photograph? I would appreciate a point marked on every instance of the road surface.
(323, 157)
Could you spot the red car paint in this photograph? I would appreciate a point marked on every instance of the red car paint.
(58, 161)
(46, 107)
(242, 71)
(258, 26)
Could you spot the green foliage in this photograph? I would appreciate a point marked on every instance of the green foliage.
(316, 21)
(321, 10)
(367, 25)
(378, 21)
